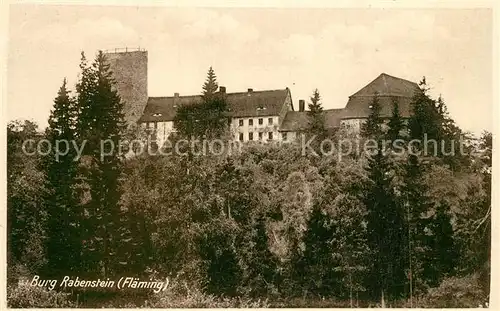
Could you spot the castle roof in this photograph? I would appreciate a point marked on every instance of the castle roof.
(271, 102)
(241, 104)
(388, 88)
(298, 120)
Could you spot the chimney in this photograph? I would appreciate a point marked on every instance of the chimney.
(176, 99)
(222, 89)
(302, 105)
(250, 90)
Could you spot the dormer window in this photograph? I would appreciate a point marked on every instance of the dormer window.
(157, 114)
(261, 108)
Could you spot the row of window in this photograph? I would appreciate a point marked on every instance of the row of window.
(260, 120)
(261, 136)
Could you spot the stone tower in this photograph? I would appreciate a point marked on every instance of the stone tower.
(130, 71)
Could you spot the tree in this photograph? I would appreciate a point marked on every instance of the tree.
(385, 230)
(396, 124)
(316, 116)
(205, 119)
(451, 135)
(315, 268)
(223, 271)
(473, 222)
(445, 252)
(64, 214)
(416, 204)
(350, 244)
(188, 120)
(26, 189)
(210, 86)
(372, 128)
(106, 237)
(262, 266)
(425, 119)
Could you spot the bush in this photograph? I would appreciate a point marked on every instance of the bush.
(454, 292)
(26, 296)
(180, 295)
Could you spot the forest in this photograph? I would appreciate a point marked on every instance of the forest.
(264, 227)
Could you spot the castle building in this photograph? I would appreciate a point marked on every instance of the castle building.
(388, 88)
(255, 115)
(264, 115)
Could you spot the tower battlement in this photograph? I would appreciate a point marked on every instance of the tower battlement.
(124, 50)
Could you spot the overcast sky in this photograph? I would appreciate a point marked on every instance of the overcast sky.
(337, 51)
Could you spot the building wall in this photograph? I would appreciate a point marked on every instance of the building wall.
(162, 130)
(287, 106)
(159, 130)
(355, 124)
(265, 128)
(130, 71)
(352, 124)
(289, 136)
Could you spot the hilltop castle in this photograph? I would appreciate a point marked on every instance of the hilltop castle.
(255, 115)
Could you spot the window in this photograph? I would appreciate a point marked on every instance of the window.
(250, 122)
(270, 121)
(270, 134)
(260, 135)
(241, 122)
(241, 136)
(250, 136)
(261, 121)
(284, 136)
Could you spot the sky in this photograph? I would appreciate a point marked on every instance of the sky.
(335, 50)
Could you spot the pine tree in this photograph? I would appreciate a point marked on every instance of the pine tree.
(207, 119)
(215, 116)
(85, 89)
(210, 86)
(107, 241)
(385, 230)
(451, 134)
(445, 252)
(223, 271)
(425, 119)
(64, 213)
(430, 119)
(396, 124)
(314, 270)
(316, 116)
(262, 268)
(417, 204)
(372, 128)
(350, 245)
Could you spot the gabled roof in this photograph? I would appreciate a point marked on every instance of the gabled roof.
(298, 120)
(242, 104)
(160, 109)
(388, 88)
(294, 121)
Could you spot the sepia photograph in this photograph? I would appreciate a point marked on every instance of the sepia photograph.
(176, 156)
